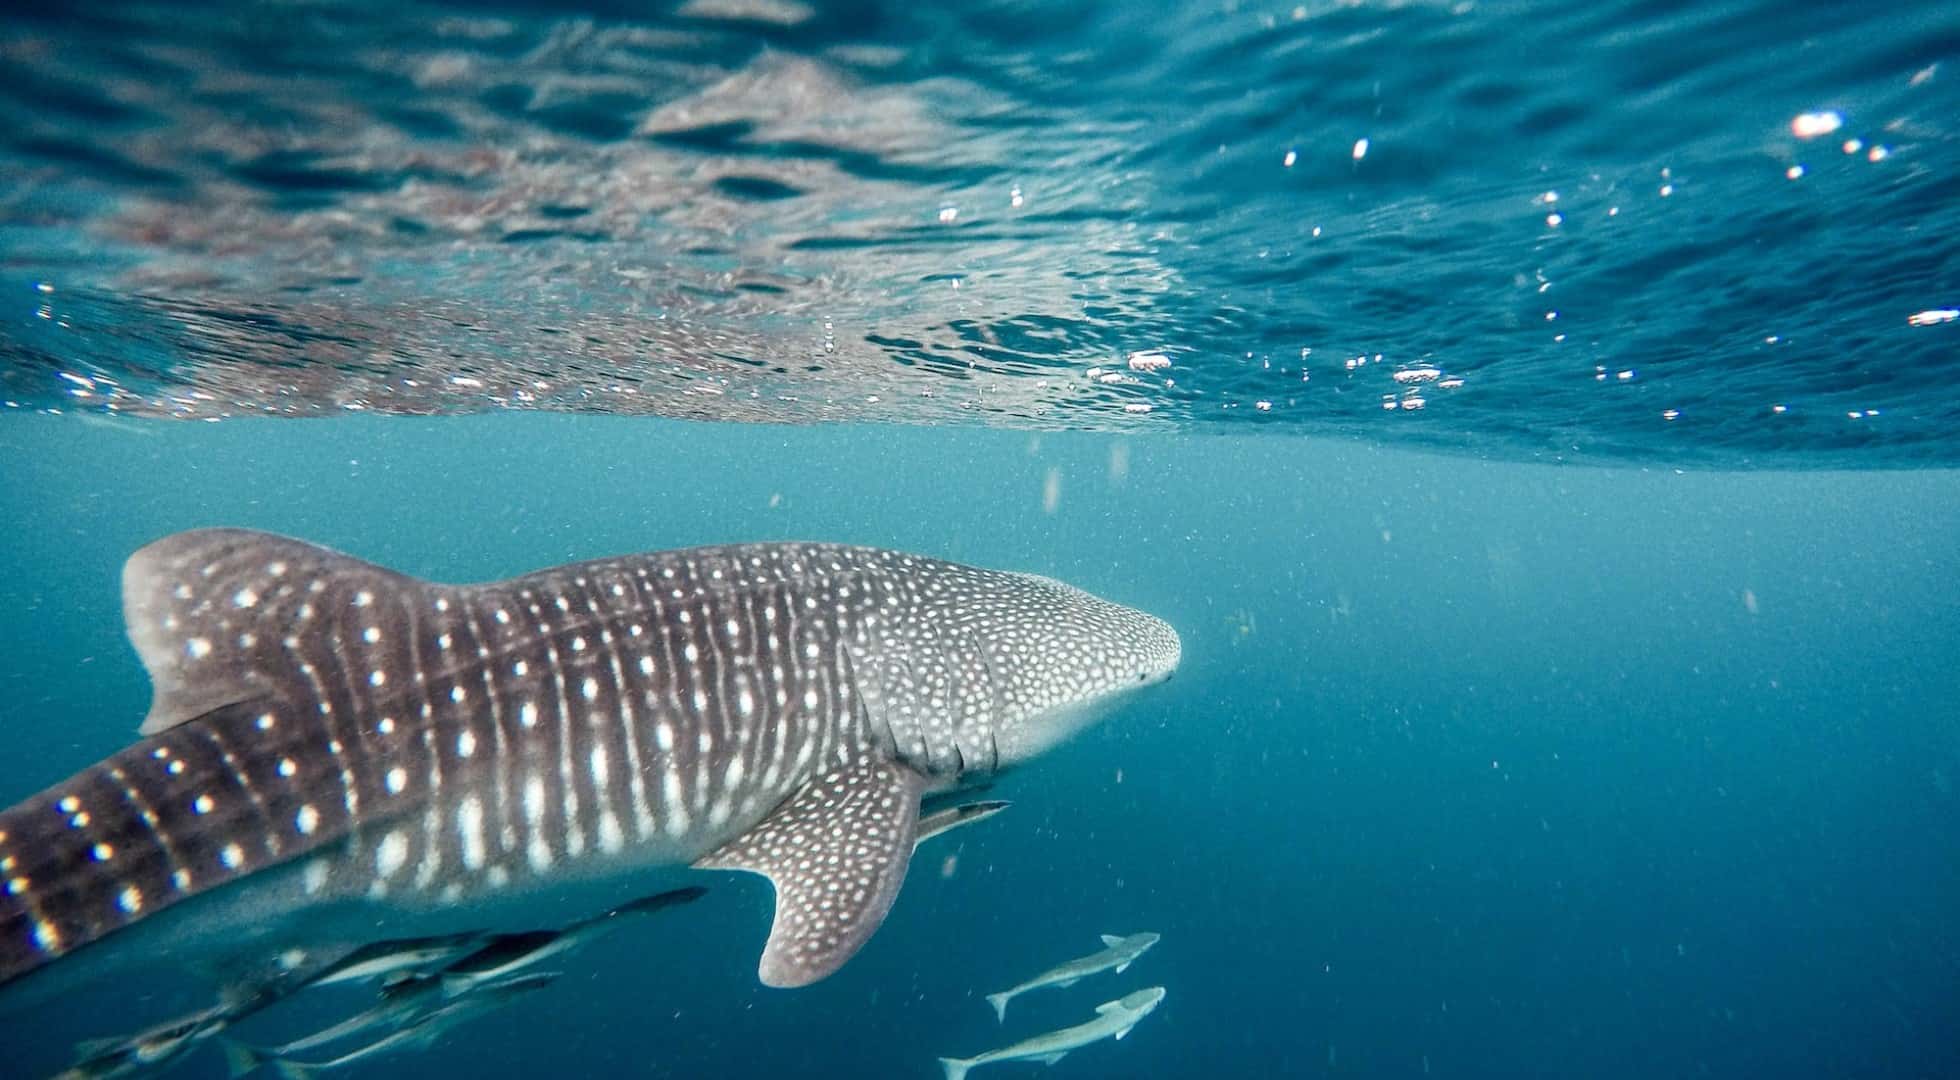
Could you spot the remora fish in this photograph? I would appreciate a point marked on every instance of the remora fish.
(507, 954)
(1114, 1019)
(384, 958)
(955, 816)
(419, 1032)
(339, 739)
(149, 1050)
(400, 1006)
(1117, 954)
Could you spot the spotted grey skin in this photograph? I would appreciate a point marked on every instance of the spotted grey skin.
(777, 708)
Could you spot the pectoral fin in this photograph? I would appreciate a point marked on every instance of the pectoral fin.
(1050, 1059)
(836, 853)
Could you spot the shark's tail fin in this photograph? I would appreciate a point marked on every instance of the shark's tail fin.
(999, 1002)
(956, 1067)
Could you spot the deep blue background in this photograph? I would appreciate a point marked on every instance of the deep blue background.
(1488, 766)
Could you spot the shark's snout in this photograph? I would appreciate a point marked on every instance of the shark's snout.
(1160, 651)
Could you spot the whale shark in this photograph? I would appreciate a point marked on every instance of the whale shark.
(337, 753)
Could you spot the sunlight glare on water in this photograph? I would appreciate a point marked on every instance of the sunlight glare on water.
(984, 214)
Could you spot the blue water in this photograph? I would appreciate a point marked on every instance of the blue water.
(1524, 770)
(1556, 494)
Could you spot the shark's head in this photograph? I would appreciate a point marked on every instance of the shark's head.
(988, 669)
(1066, 660)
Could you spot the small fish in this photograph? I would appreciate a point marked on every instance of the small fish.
(385, 958)
(148, 1050)
(505, 955)
(1114, 1019)
(402, 1004)
(421, 1032)
(1117, 955)
(955, 816)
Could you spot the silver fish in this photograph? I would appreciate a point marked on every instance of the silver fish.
(507, 954)
(419, 1032)
(953, 817)
(382, 959)
(153, 1048)
(1117, 954)
(1114, 1019)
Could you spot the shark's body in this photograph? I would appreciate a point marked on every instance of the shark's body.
(1117, 954)
(1114, 1019)
(330, 738)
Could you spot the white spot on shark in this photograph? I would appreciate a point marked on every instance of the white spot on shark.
(391, 854)
(469, 825)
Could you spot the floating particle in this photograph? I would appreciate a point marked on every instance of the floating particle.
(1263, 406)
(1148, 360)
(1291, 157)
(1136, 407)
(1794, 172)
(1360, 149)
(948, 214)
(1812, 124)
(1933, 316)
(1417, 375)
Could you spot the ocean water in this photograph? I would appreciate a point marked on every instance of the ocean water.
(1538, 420)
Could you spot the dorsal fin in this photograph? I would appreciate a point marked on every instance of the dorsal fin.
(208, 610)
